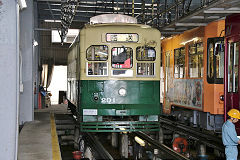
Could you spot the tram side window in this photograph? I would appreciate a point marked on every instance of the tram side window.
(195, 60)
(97, 53)
(97, 68)
(145, 53)
(219, 53)
(122, 57)
(210, 60)
(145, 69)
(179, 62)
(233, 57)
(168, 75)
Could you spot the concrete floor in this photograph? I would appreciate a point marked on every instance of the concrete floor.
(60, 108)
(35, 137)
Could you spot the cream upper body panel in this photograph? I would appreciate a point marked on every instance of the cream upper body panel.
(96, 35)
(72, 63)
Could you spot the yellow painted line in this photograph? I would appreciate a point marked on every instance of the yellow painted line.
(56, 155)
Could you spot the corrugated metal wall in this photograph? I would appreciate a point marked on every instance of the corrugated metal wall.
(51, 53)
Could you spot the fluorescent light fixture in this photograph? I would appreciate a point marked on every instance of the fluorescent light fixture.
(191, 40)
(22, 4)
(139, 141)
(52, 21)
(116, 8)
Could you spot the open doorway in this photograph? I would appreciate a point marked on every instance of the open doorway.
(58, 83)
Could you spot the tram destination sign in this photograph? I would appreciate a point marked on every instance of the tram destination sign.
(122, 37)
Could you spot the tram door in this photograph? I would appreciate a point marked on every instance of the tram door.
(168, 78)
(232, 74)
(215, 74)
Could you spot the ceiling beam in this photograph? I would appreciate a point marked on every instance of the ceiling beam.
(221, 11)
(191, 24)
(45, 29)
(197, 12)
(204, 17)
(77, 18)
(180, 29)
(52, 1)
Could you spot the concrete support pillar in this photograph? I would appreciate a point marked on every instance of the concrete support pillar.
(36, 58)
(202, 152)
(26, 63)
(124, 145)
(115, 140)
(161, 135)
(9, 69)
(195, 118)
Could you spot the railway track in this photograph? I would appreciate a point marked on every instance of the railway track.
(97, 147)
(168, 152)
(100, 151)
(193, 133)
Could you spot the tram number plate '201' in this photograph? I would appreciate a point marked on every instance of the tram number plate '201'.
(108, 100)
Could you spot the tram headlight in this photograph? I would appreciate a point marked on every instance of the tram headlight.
(221, 97)
(122, 92)
(95, 96)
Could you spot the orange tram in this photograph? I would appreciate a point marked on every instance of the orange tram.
(193, 68)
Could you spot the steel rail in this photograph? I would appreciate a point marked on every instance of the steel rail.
(94, 144)
(190, 129)
(205, 138)
(160, 146)
(97, 146)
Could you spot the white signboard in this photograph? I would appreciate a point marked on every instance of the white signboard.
(122, 37)
(90, 112)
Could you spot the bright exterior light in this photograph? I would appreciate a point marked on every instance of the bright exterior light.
(72, 33)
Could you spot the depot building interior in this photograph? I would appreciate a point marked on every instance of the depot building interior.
(36, 38)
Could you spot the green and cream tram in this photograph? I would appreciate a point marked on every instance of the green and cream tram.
(114, 77)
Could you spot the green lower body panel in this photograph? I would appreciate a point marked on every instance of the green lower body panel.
(102, 108)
